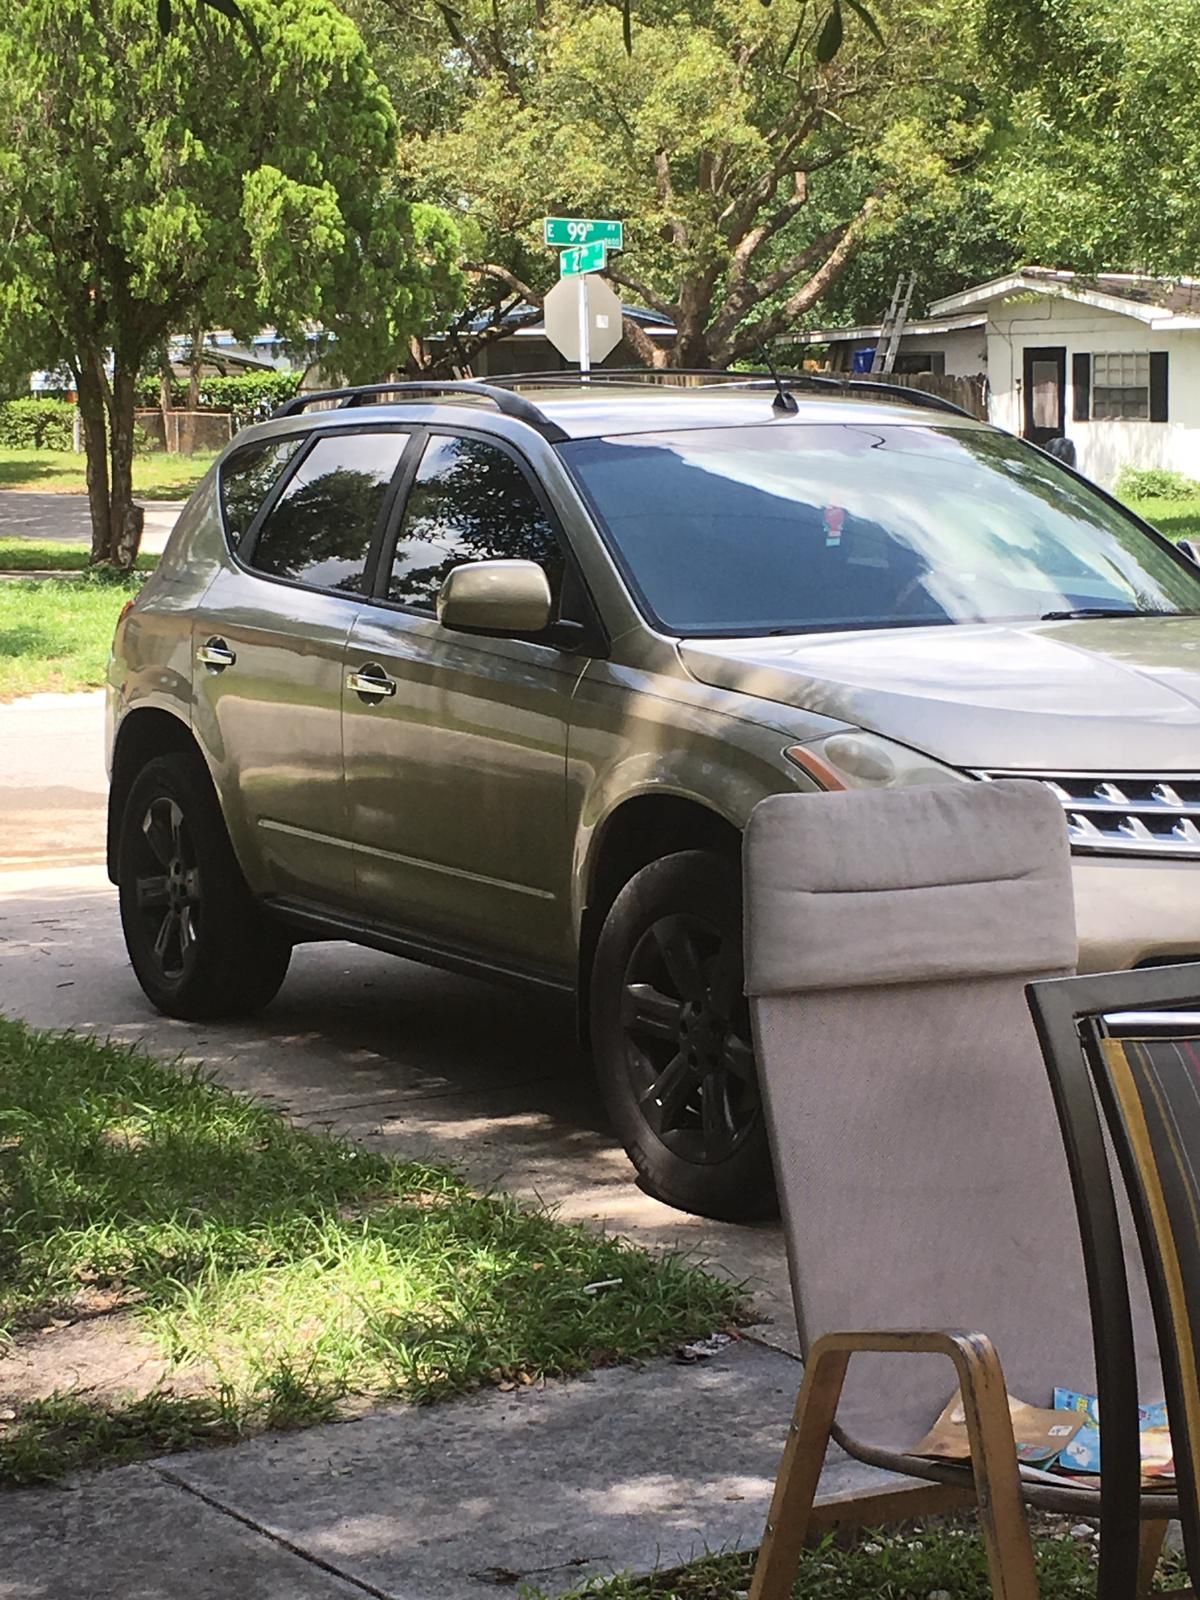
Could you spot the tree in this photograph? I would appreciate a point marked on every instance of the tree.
(1097, 162)
(948, 251)
(748, 170)
(213, 176)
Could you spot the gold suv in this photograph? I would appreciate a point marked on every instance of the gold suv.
(492, 676)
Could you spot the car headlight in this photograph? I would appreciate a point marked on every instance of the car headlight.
(865, 761)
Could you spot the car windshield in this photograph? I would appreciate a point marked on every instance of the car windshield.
(787, 528)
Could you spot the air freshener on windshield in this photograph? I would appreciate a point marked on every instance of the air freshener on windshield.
(835, 517)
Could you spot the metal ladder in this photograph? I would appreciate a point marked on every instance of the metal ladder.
(892, 331)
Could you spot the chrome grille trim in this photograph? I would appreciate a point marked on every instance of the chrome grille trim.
(1130, 813)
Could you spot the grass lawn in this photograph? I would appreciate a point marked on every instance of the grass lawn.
(44, 555)
(156, 475)
(917, 1562)
(1178, 519)
(290, 1270)
(55, 633)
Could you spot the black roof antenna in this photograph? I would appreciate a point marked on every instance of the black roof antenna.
(783, 401)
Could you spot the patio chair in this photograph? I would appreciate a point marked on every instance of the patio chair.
(921, 1172)
(1124, 1065)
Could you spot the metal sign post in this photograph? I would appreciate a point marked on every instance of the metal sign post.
(585, 353)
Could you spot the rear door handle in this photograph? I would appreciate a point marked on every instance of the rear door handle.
(371, 682)
(216, 655)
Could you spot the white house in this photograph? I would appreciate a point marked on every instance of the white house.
(1110, 360)
(950, 347)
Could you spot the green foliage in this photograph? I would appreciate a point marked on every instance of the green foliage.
(208, 178)
(37, 425)
(1097, 155)
(248, 396)
(291, 1268)
(919, 1560)
(1155, 483)
(64, 1433)
(747, 167)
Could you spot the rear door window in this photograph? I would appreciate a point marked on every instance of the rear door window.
(247, 477)
(470, 501)
(319, 531)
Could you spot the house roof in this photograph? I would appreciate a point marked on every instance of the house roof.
(1159, 302)
(915, 325)
(526, 321)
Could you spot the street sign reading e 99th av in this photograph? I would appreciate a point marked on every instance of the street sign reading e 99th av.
(564, 231)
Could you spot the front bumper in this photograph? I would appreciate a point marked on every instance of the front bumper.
(1129, 911)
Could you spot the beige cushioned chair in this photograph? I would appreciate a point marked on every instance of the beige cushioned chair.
(921, 1171)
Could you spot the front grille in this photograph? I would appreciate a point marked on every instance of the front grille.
(1128, 814)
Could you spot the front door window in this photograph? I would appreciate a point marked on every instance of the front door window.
(1045, 380)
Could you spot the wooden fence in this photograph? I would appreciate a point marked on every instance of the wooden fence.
(971, 393)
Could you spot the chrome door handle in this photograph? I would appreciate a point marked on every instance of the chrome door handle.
(371, 682)
(216, 655)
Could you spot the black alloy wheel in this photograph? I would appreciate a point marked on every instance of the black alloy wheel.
(168, 887)
(687, 1033)
(199, 942)
(671, 1038)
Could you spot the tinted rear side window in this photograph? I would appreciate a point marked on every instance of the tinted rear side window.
(319, 530)
(470, 501)
(247, 477)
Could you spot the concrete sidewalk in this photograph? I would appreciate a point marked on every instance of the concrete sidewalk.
(626, 1470)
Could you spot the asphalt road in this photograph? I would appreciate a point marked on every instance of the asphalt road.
(30, 515)
(405, 1058)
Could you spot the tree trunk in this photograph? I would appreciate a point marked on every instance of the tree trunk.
(197, 361)
(90, 390)
(643, 346)
(125, 517)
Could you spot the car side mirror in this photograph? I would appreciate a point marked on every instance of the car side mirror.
(1188, 548)
(496, 597)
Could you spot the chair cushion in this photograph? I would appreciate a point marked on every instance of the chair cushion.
(905, 886)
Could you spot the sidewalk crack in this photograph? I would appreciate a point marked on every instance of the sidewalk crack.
(360, 1584)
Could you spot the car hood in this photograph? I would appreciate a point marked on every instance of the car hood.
(1105, 694)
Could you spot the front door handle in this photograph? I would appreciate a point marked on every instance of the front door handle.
(216, 655)
(371, 682)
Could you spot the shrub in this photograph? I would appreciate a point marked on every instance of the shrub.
(1155, 483)
(35, 424)
(248, 396)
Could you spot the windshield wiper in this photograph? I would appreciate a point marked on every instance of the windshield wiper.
(1094, 611)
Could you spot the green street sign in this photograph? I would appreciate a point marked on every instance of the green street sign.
(587, 258)
(584, 230)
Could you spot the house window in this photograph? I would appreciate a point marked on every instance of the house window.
(933, 361)
(1121, 384)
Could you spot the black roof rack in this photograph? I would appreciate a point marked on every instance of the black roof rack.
(899, 392)
(504, 400)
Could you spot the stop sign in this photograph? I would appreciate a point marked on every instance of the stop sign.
(561, 313)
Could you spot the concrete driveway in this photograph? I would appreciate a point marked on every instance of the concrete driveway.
(400, 1056)
(26, 514)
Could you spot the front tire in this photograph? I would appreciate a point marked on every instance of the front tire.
(198, 943)
(671, 1034)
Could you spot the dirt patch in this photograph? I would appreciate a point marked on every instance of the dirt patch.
(99, 1357)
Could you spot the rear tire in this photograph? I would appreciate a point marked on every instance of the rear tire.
(198, 942)
(671, 1037)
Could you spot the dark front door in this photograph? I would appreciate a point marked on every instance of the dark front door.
(1045, 393)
